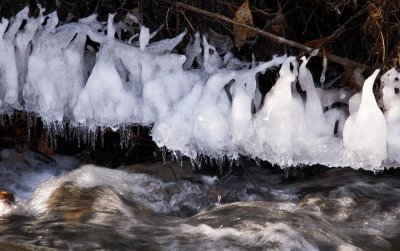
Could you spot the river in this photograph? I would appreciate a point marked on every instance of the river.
(63, 205)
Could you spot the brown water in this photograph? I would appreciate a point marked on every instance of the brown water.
(62, 206)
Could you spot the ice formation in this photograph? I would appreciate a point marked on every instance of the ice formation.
(205, 102)
(391, 101)
(364, 133)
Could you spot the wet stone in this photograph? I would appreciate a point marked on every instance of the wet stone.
(167, 171)
(7, 197)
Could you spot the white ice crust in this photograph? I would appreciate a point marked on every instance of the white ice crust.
(200, 103)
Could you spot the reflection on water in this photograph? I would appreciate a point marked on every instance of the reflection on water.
(90, 207)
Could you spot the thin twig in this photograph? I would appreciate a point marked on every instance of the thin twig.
(191, 26)
(277, 39)
(338, 31)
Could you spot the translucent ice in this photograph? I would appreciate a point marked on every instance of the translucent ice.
(330, 96)
(104, 100)
(277, 122)
(193, 51)
(212, 60)
(211, 127)
(144, 37)
(9, 90)
(24, 45)
(364, 133)
(391, 101)
(206, 102)
(319, 128)
(244, 92)
(316, 125)
(56, 72)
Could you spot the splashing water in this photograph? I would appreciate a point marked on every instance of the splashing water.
(62, 206)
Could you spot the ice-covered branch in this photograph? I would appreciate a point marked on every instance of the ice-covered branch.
(200, 103)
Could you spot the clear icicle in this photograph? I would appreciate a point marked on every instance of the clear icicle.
(325, 67)
(164, 154)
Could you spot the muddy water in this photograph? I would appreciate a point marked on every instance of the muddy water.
(62, 205)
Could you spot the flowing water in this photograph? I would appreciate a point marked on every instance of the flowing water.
(63, 206)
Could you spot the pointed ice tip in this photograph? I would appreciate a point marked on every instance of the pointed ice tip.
(205, 42)
(41, 9)
(110, 26)
(23, 13)
(376, 72)
(144, 37)
(369, 82)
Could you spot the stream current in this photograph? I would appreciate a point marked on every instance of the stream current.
(62, 205)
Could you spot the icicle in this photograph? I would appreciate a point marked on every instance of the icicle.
(51, 136)
(193, 163)
(78, 135)
(206, 160)
(286, 170)
(237, 161)
(219, 199)
(199, 162)
(220, 163)
(93, 137)
(213, 161)
(178, 157)
(110, 26)
(325, 66)
(365, 132)
(164, 154)
(102, 132)
(144, 37)
(294, 171)
(85, 135)
(34, 121)
(29, 125)
(230, 165)
(55, 142)
(72, 131)
(121, 138)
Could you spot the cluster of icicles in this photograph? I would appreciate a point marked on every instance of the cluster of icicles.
(215, 109)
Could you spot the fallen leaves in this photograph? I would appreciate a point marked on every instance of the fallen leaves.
(243, 15)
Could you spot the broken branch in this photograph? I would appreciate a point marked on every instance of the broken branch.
(277, 39)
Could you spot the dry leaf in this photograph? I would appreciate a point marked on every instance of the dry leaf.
(243, 15)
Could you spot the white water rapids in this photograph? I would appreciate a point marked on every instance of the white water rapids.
(62, 206)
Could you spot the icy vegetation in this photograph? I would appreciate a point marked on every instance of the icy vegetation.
(199, 104)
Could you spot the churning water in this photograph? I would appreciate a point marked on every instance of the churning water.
(60, 205)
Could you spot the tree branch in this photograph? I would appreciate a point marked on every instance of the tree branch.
(277, 39)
